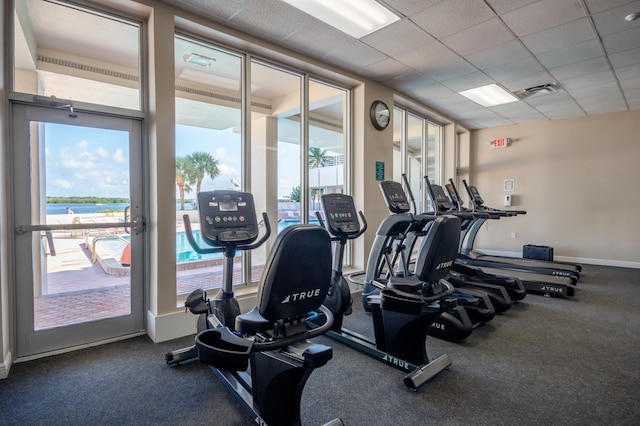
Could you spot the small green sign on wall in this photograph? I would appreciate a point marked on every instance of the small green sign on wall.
(379, 170)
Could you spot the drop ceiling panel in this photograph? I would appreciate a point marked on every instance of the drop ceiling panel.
(551, 101)
(317, 39)
(483, 36)
(355, 55)
(597, 6)
(570, 54)
(609, 107)
(432, 91)
(561, 36)
(504, 6)
(588, 80)
(605, 91)
(523, 66)
(451, 16)
(578, 69)
(630, 71)
(542, 15)
(271, 19)
(508, 52)
(392, 40)
(220, 10)
(386, 69)
(631, 84)
(628, 57)
(570, 113)
(426, 55)
(623, 40)
(408, 82)
(569, 105)
(410, 7)
(468, 81)
(442, 71)
(609, 22)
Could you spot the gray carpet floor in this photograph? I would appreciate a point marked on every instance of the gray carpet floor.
(546, 361)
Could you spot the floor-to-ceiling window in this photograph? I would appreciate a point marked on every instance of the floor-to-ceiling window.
(276, 98)
(327, 142)
(208, 149)
(417, 146)
(289, 148)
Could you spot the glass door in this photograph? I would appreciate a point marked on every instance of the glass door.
(79, 226)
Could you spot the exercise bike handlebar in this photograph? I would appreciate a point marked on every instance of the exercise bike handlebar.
(350, 236)
(449, 289)
(200, 250)
(282, 343)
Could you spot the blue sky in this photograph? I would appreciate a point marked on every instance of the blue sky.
(86, 161)
(94, 162)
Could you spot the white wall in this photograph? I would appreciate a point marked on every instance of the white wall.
(578, 180)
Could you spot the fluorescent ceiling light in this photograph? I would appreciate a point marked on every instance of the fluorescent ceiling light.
(195, 59)
(489, 95)
(354, 17)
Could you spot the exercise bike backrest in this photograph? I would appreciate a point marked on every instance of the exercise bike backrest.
(227, 223)
(439, 249)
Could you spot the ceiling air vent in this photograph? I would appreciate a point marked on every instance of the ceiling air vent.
(543, 89)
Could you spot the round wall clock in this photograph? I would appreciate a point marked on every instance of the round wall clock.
(380, 115)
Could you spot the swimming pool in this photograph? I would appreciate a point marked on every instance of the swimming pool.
(184, 251)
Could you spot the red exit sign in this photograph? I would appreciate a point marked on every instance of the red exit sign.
(500, 143)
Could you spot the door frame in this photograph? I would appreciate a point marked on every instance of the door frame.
(29, 342)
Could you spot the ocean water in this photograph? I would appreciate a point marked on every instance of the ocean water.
(86, 208)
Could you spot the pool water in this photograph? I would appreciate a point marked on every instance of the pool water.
(184, 251)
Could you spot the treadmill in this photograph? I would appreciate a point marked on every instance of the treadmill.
(537, 283)
(539, 266)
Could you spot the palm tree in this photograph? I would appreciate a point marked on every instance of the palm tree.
(203, 164)
(295, 194)
(185, 177)
(317, 158)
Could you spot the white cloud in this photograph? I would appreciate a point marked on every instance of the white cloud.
(226, 170)
(62, 183)
(82, 144)
(221, 154)
(118, 156)
(102, 152)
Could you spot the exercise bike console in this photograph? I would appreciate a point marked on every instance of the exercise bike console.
(394, 196)
(228, 217)
(340, 215)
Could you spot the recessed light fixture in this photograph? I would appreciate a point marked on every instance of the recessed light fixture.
(196, 59)
(489, 95)
(632, 17)
(354, 17)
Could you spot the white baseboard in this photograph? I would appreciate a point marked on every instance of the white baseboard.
(581, 260)
(170, 326)
(178, 324)
(6, 366)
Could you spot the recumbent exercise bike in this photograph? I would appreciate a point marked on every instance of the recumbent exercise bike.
(271, 339)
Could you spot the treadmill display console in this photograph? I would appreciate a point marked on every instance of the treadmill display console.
(441, 198)
(227, 216)
(340, 214)
(394, 196)
(476, 195)
(452, 195)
